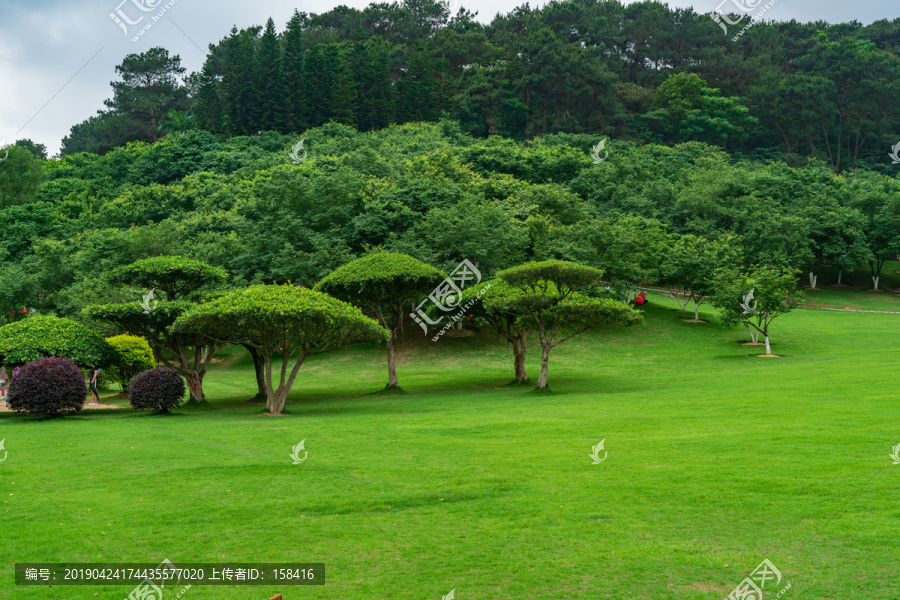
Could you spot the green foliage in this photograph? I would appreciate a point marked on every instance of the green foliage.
(134, 356)
(692, 265)
(293, 322)
(548, 300)
(176, 276)
(757, 297)
(148, 89)
(20, 176)
(41, 336)
(381, 284)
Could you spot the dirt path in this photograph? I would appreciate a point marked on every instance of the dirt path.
(5, 408)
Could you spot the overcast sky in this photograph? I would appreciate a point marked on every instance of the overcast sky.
(57, 57)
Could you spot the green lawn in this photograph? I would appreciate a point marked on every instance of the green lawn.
(717, 460)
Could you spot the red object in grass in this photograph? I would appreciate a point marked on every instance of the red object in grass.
(641, 298)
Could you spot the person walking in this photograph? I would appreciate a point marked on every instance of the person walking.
(95, 378)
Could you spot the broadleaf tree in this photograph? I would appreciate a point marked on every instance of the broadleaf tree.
(384, 285)
(550, 301)
(287, 320)
(757, 297)
(179, 280)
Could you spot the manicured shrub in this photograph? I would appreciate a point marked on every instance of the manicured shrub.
(156, 389)
(48, 386)
(37, 337)
(135, 355)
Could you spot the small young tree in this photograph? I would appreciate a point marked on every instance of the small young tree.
(179, 280)
(384, 286)
(280, 319)
(692, 264)
(549, 301)
(38, 337)
(156, 389)
(757, 298)
(134, 356)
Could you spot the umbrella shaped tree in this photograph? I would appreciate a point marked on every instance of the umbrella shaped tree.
(279, 319)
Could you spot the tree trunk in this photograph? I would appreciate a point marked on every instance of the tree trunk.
(696, 311)
(768, 348)
(393, 382)
(195, 384)
(545, 361)
(840, 273)
(754, 335)
(519, 360)
(259, 366)
(875, 280)
(812, 280)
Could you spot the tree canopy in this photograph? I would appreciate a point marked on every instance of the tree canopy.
(280, 319)
(41, 336)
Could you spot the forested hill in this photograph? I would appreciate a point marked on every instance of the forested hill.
(643, 72)
(267, 214)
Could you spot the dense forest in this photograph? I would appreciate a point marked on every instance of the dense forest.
(447, 140)
(642, 72)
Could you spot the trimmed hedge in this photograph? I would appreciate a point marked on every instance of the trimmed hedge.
(156, 389)
(48, 386)
(135, 355)
(38, 337)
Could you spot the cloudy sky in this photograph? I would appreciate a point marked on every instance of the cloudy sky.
(57, 57)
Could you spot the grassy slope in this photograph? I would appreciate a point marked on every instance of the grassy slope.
(716, 461)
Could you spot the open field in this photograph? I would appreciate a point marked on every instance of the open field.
(716, 461)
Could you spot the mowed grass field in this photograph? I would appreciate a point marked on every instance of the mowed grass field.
(716, 460)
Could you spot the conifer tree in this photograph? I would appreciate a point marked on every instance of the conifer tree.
(208, 109)
(417, 98)
(344, 96)
(269, 108)
(375, 104)
(292, 67)
(318, 85)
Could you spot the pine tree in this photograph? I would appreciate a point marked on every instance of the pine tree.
(416, 90)
(270, 110)
(318, 85)
(237, 82)
(292, 67)
(343, 99)
(208, 110)
(444, 87)
(375, 94)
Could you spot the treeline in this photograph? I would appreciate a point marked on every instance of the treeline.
(432, 192)
(642, 72)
